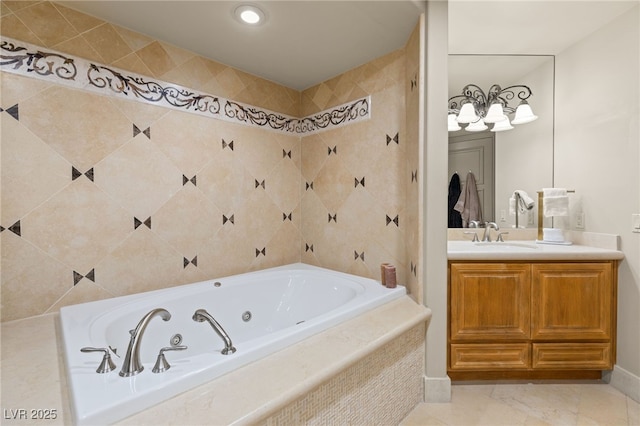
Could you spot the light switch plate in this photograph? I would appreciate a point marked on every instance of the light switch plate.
(580, 220)
(635, 222)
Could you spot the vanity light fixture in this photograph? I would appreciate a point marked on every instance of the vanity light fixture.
(477, 109)
(249, 14)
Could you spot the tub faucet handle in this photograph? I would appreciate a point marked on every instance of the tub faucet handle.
(107, 364)
(161, 361)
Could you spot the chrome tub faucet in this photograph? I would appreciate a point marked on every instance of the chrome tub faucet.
(202, 315)
(132, 365)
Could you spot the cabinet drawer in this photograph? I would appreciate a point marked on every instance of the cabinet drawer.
(566, 356)
(485, 356)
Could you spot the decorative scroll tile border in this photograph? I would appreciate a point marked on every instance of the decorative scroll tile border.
(32, 61)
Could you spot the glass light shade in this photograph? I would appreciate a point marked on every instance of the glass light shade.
(501, 126)
(524, 114)
(452, 124)
(477, 126)
(467, 114)
(495, 113)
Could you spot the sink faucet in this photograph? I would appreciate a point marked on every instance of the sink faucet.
(201, 315)
(132, 365)
(488, 225)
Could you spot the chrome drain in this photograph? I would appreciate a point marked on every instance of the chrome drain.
(246, 316)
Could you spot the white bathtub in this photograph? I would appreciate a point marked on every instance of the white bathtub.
(286, 304)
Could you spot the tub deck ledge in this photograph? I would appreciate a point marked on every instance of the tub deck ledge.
(244, 396)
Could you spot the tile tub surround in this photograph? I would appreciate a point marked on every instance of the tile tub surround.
(33, 371)
(106, 197)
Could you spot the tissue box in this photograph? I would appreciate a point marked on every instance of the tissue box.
(552, 235)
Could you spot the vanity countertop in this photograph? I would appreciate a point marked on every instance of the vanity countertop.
(528, 250)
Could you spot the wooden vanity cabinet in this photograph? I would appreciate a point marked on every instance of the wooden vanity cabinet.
(531, 320)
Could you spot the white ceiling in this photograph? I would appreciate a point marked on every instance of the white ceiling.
(303, 43)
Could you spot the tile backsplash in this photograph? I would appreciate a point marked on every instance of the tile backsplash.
(104, 196)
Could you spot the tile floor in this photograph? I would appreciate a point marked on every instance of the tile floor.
(561, 403)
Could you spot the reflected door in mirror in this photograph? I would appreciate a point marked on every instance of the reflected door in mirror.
(474, 153)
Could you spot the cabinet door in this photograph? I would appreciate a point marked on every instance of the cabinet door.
(572, 301)
(489, 302)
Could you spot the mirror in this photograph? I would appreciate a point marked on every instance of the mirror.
(517, 159)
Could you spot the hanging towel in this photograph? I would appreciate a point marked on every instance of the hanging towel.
(455, 220)
(526, 202)
(555, 202)
(469, 202)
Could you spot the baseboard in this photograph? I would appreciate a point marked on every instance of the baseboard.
(437, 389)
(625, 381)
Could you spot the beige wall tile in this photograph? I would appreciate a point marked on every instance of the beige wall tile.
(47, 23)
(4, 9)
(136, 41)
(31, 171)
(107, 42)
(32, 281)
(189, 75)
(82, 127)
(156, 59)
(80, 47)
(139, 177)
(80, 21)
(231, 251)
(284, 185)
(84, 291)
(226, 182)
(188, 221)
(142, 262)
(19, 4)
(189, 140)
(12, 26)
(78, 226)
(133, 63)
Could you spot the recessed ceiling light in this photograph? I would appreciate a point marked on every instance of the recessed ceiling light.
(249, 14)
